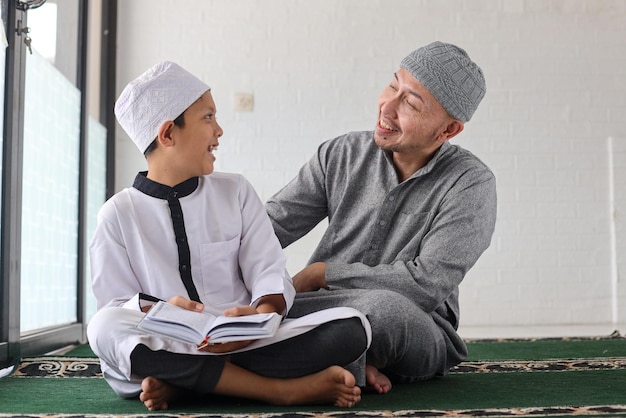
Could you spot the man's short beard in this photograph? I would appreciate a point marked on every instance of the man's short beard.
(385, 147)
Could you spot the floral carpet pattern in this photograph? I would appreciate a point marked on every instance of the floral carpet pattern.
(90, 367)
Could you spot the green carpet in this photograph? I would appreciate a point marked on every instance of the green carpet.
(612, 346)
(500, 378)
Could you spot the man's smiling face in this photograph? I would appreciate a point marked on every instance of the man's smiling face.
(410, 119)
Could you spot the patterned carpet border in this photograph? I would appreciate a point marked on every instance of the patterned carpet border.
(557, 365)
(51, 367)
(80, 367)
(89, 367)
(598, 410)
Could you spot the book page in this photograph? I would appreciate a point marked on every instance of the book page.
(164, 312)
(194, 327)
(246, 319)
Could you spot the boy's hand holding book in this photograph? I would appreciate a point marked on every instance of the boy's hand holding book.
(182, 320)
(234, 345)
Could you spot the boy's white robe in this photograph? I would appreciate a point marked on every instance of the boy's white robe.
(235, 259)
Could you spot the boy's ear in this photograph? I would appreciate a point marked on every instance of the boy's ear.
(164, 134)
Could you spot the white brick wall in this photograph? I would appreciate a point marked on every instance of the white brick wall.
(556, 72)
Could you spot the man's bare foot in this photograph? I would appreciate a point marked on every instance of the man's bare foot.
(333, 385)
(376, 380)
(155, 394)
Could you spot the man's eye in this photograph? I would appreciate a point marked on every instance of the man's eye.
(392, 87)
(413, 106)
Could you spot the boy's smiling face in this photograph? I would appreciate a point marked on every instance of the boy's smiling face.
(196, 140)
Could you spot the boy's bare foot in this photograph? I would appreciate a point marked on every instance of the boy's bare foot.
(155, 394)
(333, 385)
(376, 380)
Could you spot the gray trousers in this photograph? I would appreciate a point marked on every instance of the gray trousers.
(341, 342)
(408, 344)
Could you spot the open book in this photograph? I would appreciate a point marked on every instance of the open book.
(203, 328)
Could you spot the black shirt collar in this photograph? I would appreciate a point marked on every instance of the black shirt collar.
(161, 191)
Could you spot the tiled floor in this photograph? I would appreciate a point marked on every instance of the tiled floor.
(541, 331)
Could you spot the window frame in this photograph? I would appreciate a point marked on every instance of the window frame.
(13, 344)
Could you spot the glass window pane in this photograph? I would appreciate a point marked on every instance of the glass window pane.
(54, 33)
(50, 183)
(3, 46)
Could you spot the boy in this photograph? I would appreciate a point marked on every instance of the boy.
(202, 241)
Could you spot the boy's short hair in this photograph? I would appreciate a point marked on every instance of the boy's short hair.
(160, 94)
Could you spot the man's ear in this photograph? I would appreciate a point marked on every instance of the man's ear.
(452, 129)
(164, 134)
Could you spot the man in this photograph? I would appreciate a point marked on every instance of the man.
(408, 215)
(202, 241)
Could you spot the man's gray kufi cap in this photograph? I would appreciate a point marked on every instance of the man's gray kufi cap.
(160, 94)
(450, 75)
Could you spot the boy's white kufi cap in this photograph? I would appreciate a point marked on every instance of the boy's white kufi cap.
(160, 94)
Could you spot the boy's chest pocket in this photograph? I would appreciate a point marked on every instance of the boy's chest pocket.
(221, 279)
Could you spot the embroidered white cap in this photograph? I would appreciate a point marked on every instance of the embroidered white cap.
(160, 94)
